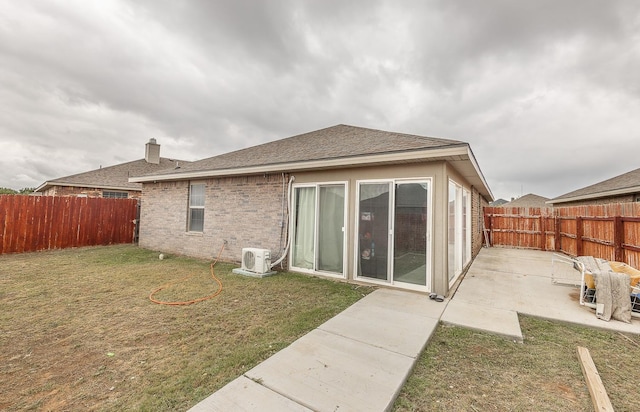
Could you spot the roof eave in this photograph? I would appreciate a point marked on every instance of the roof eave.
(47, 185)
(308, 165)
(447, 153)
(608, 193)
(42, 187)
(483, 181)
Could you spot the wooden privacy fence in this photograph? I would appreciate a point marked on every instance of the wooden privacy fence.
(31, 223)
(610, 232)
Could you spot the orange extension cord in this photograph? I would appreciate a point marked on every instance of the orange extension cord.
(190, 302)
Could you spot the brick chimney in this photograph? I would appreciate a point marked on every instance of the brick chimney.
(152, 152)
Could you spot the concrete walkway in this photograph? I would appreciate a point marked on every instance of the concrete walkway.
(356, 361)
(360, 359)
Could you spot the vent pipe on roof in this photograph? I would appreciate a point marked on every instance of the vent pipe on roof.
(152, 152)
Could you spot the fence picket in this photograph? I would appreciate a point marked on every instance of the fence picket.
(31, 223)
(610, 231)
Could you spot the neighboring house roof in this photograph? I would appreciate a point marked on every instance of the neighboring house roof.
(498, 202)
(624, 184)
(529, 200)
(113, 177)
(333, 147)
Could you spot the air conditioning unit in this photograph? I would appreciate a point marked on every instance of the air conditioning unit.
(256, 260)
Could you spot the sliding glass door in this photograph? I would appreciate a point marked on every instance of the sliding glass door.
(304, 228)
(373, 230)
(318, 228)
(459, 234)
(410, 233)
(393, 232)
(330, 229)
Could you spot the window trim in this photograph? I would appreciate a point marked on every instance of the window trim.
(118, 194)
(191, 207)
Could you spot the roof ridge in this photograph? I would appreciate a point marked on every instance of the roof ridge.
(326, 129)
(119, 165)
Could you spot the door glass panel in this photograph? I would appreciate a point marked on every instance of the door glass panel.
(451, 225)
(304, 224)
(373, 230)
(459, 234)
(465, 230)
(331, 228)
(410, 233)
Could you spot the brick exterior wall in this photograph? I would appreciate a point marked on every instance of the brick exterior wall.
(245, 211)
(478, 203)
(86, 191)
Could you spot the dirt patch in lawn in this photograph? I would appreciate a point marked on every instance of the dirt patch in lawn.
(464, 370)
(79, 332)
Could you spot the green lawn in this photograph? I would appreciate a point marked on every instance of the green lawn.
(80, 333)
(464, 370)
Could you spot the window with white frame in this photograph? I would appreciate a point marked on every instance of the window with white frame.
(114, 195)
(196, 207)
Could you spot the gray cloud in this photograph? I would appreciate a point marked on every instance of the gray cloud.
(547, 92)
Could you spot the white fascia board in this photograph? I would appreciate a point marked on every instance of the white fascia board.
(473, 161)
(617, 192)
(309, 165)
(41, 187)
(88, 185)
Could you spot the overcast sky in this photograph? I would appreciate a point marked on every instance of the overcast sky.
(546, 92)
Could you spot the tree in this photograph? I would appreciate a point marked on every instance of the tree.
(7, 191)
(26, 190)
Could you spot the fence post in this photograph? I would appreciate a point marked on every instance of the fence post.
(485, 227)
(543, 232)
(618, 238)
(556, 235)
(579, 233)
(491, 242)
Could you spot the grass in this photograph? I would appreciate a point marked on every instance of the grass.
(464, 370)
(78, 331)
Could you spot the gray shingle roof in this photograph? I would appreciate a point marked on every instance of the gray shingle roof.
(529, 200)
(626, 183)
(114, 176)
(340, 146)
(498, 202)
(336, 142)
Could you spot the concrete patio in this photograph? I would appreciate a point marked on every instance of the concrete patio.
(504, 282)
(360, 359)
